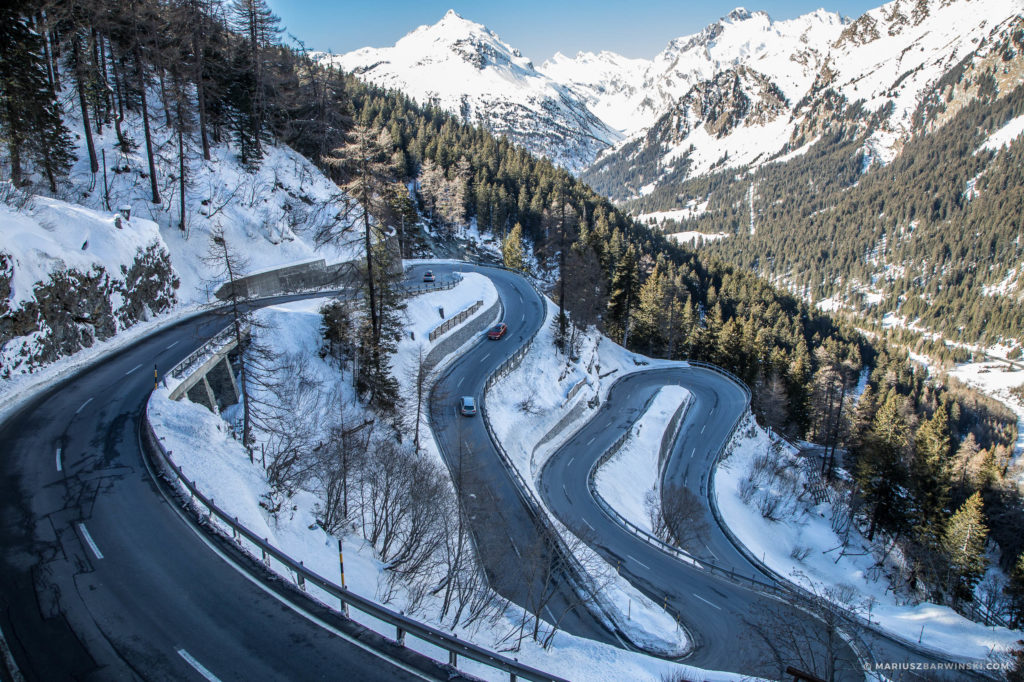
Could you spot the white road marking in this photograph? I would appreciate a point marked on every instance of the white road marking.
(89, 541)
(516, 549)
(703, 427)
(60, 466)
(485, 357)
(461, 379)
(172, 345)
(199, 667)
(132, 369)
(710, 550)
(570, 460)
(591, 440)
(588, 524)
(7, 658)
(566, 492)
(707, 602)
(83, 405)
(635, 560)
(692, 452)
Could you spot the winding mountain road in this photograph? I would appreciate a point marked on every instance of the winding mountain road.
(101, 577)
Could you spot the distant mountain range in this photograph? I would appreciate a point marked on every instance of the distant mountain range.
(743, 91)
(466, 69)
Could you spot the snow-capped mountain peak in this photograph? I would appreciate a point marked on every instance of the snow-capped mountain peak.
(465, 68)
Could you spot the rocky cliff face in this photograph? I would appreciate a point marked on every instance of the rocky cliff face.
(70, 277)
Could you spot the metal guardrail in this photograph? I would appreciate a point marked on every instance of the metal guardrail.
(185, 367)
(432, 286)
(455, 320)
(404, 626)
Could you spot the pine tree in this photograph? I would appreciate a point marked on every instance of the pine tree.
(964, 546)
(365, 168)
(881, 471)
(261, 28)
(512, 252)
(620, 301)
(930, 477)
(30, 119)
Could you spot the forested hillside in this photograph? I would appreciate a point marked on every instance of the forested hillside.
(934, 236)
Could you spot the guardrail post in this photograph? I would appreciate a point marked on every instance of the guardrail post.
(400, 635)
(266, 557)
(300, 579)
(453, 658)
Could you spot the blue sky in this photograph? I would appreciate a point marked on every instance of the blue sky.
(539, 28)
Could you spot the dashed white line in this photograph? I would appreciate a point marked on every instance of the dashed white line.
(591, 440)
(635, 560)
(60, 465)
(710, 550)
(199, 667)
(89, 541)
(692, 452)
(132, 369)
(7, 658)
(707, 602)
(570, 460)
(514, 548)
(703, 427)
(82, 407)
(461, 379)
(588, 524)
(172, 345)
(485, 357)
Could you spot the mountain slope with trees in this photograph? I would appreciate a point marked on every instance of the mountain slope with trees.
(221, 79)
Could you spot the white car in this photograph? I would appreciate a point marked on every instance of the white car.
(467, 406)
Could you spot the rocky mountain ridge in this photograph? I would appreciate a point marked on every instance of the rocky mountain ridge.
(466, 69)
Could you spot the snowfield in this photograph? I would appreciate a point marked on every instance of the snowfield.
(625, 480)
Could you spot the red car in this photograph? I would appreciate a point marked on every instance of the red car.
(497, 331)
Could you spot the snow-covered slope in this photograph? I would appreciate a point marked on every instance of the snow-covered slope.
(465, 68)
(635, 93)
(69, 277)
(780, 84)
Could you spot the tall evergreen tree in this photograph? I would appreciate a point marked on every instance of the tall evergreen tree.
(30, 117)
(881, 470)
(512, 253)
(964, 544)
(365, 168)
(930, 475)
